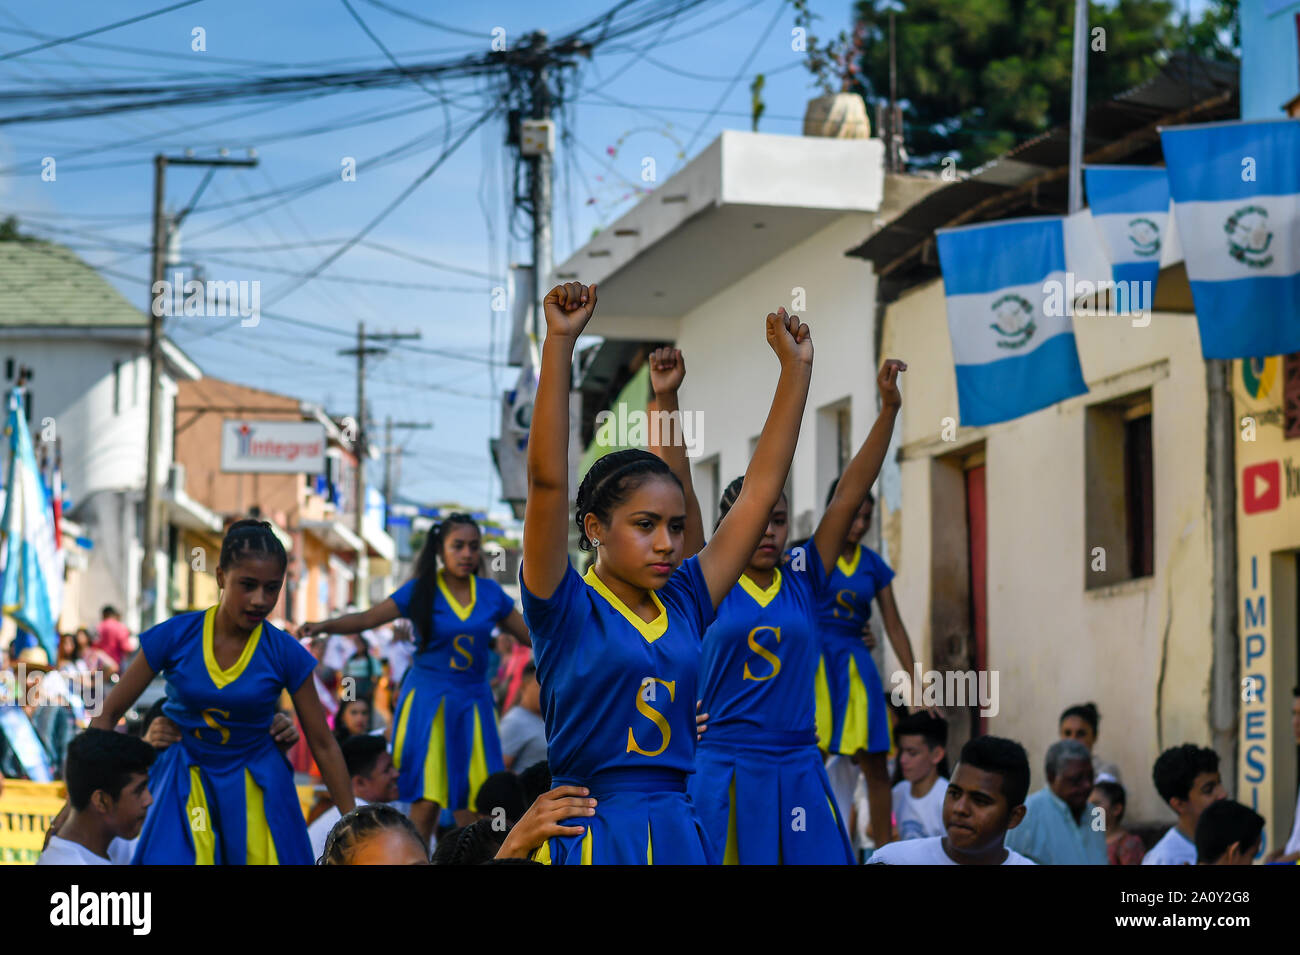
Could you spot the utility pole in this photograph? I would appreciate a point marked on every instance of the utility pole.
(362, 585)
(149, 602)
(1078, 104)
(391, 452)
(533, 67)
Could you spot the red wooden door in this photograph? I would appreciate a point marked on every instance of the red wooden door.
(977, 535)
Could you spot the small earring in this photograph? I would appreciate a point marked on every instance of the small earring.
(595, 542)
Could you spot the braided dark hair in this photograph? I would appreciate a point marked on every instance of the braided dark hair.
(836, 483)
(729, 497)
(247, 537)
(359, 825)
(610, 480)
(420, 611)
(475, 844)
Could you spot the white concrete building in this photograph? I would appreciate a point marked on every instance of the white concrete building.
(754, 222)
(87, 347)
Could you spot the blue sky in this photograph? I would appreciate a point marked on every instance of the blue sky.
(667, 91)
(635, 105)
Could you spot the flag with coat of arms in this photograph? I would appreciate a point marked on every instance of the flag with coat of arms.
(1133, 214)
(1236, 192)
(1009, 289)
(32, 578)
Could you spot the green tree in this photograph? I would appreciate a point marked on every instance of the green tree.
(976, 77)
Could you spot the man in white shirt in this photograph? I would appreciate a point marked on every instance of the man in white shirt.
(374, 779)
(1187, 777)
(985, 798)
(107, 776)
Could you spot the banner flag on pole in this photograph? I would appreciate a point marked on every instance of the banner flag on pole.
(1236, 192)
(1131, 208)
(1010, 290)
(31, 560)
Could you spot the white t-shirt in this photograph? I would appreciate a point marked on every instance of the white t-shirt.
(62, 851)
(1174, 848)
(319, 831)
(920, 818)
(927, 852)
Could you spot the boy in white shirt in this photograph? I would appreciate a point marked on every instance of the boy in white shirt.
(1187, 777)
(107, 776)
(374, 779)
(918, 799)
(985, 798)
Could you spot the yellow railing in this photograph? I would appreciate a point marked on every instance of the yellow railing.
(27, 809)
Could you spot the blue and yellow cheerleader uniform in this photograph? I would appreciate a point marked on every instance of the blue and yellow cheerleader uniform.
(759, 782)
(618, 696)
(851, 711)
(223, 795)
(445, 742)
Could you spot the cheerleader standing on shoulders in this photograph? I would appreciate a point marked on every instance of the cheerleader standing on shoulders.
(445, 740)
(760, 784)
(852, 716)
(224, 794)
(618, 650)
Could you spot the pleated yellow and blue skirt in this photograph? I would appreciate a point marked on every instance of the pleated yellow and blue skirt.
(767, 802)
(223, 805)
(851, 710)
(445, 741)
(643, 817)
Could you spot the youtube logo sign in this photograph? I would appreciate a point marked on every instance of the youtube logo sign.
(1261, 487)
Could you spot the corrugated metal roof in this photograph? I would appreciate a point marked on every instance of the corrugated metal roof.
(46, 284)
(1032, 178)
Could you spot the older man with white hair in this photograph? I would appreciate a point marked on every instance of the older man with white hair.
(1059, 827)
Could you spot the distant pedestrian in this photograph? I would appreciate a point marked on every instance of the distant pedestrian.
(114, 637)
(1058, 827)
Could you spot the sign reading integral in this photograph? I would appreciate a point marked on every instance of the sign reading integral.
(273, 447)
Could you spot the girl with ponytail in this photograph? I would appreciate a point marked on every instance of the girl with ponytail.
(223, 794)
(618, 649)
(445, 740)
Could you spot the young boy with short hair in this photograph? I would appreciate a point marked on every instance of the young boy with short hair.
(1228, 833)
(918, 799)
(107, 776)
(1187, 778)
(984, 798)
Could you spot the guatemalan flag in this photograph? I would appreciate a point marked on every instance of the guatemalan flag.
(1010, 303)
(1131, 209)
(1236, 191)
(31, 557)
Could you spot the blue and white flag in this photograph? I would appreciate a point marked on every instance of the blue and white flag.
(1131, 209)
(31, 556)
(1236, 191)
(1010, 288)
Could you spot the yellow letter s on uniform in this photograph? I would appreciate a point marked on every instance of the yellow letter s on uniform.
(654, 716)
(468, 654)
(841, 602)
(211, 721)
(773, 660)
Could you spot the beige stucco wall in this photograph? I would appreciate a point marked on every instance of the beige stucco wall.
(1141, 650)
(731, 372)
